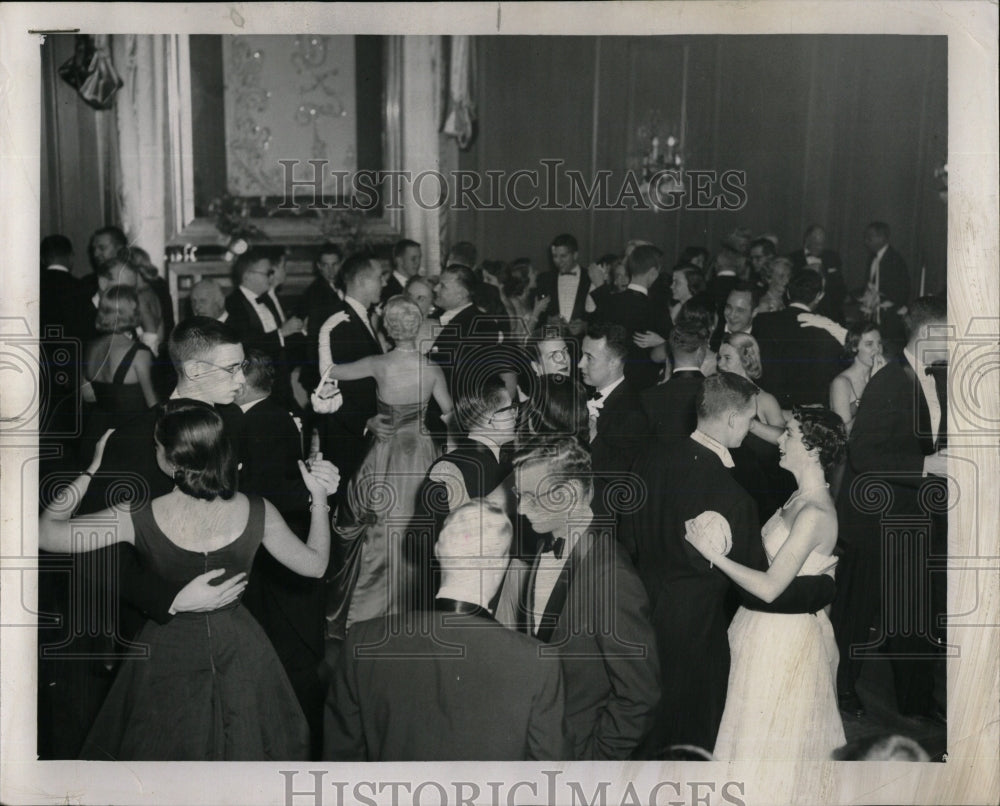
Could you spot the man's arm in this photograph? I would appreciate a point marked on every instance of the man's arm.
(548, 735)
(343, 734)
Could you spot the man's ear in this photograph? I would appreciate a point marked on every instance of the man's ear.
(537, 368)
(191, 369)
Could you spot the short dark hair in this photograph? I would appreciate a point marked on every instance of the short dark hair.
(259, 371)
(616, 336)
(473, 406)
(804, 285)
(753, 290)
(116, 233)
(855, 333)
(329, 248)
(766, 244)
(692, 253)
(401, 246)
(609, 259)
(926, 309)
(515, 278)
(688, 338)
(643, 259)
(55, 249)
(813, 228)
(464, 253)
(722, 392)
(253, 256)
(694, 277)
(194, 441)
(465, 276)
(825, 431)
(567, 240)
(356, 265)
(698, 312)
(557, 408)
(195, 336)
(880, 228)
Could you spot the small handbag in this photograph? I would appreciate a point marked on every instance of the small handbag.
(326, 398)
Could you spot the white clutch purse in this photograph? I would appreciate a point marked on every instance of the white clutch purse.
(326, 398)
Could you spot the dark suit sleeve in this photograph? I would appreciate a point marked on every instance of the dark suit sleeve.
(635, 680)
(882, 439)
(548, 737)
(145, 590)
(343, 734)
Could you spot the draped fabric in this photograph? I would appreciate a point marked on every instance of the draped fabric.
(144, 140)
(421, 212)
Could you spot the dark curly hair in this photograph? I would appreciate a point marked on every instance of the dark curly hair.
(193, 439)
(823, 430)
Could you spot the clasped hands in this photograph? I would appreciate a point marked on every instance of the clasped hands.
(710, 535)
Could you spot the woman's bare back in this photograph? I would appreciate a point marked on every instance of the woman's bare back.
(405, 377)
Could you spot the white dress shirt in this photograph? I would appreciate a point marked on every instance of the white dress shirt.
(402, 279)
(873, 272)
(362, 312)
(263, 312)
(714, 446)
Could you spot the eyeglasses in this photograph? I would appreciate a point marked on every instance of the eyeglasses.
(268, 272)
(561, 354)
(507, 412)
(232, 369)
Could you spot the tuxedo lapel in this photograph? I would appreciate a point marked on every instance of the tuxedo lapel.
(922, 410)
(251, 312)
(362, 327)
(580, 300)
(556, 606)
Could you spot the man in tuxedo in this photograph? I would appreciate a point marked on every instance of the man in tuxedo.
(887, 292)
(208, 300)
(671, 407)
(351, 336)
(799, 362)
(290, 608)
(635, 311)
(583, 598)
(688, 597)
(209, 362)
(449, 683)
(618, 428)
(815, 255)
(64, 316)
(568, 287)
(761, 251)
(550, 352)
(464, 335)
(737, 313)
(897, 444)
(406, 257)
(254, 310)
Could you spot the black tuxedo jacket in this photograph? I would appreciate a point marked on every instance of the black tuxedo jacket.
(799, 363)
(319, 302)
(463, 344)
(835, 289)
(548, 285)
(597, 621)
(890, 437)
(392, 288)
(444, 687)
(244, 320)
(894, 277)
(671, 407)
(688, 597)
(637, 313)
(271, 445)
(62, 304)
(622, 431)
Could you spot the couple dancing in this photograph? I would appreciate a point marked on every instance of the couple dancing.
(765, 691)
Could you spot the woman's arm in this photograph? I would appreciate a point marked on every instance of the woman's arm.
(769, 424)
(840, 400)
(440, 390)
(310, 558)
(364, 368)
(143, 363)
(810, 527)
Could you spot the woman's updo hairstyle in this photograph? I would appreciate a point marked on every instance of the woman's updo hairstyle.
(194, 442)
(117, 310)
(402, 318)
(823, 430)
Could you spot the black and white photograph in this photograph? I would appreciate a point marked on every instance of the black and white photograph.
(485, 403)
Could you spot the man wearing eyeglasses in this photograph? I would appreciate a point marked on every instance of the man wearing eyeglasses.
(254, 312)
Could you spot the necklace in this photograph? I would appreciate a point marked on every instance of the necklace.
(406, 350)
(806, 491)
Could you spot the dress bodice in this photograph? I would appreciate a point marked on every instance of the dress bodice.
(402, 414)
(181, 565)
(775, 533)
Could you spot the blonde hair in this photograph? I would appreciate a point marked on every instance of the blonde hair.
(118, 310)
(402, 318)
(748, 352)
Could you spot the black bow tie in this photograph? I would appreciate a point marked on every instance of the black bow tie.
(555, 545)
(937, 366)
(569, 271)
(595, 395)
(263, 299)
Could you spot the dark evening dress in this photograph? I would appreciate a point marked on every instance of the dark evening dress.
(212, 687)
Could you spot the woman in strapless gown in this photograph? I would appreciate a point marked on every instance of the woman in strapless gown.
(781, 702)
(373, 577)
(211, 687)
